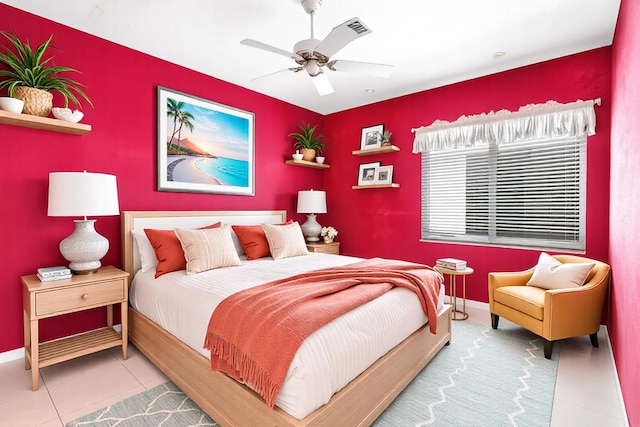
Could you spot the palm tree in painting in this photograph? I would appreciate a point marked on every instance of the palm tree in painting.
(180, 117)
(185, 120)
(173, 109)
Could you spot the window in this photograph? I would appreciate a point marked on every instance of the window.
(528, 193)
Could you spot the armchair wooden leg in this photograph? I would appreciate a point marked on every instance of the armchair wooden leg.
(494, 320)
(548, 347)
(594, 339)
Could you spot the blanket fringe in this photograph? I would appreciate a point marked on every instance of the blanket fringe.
(244, 368)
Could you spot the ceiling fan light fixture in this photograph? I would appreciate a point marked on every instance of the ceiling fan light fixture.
(313, 68)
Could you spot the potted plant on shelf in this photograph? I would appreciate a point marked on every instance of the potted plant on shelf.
(307, 142)
(385, 138)
(31, 78)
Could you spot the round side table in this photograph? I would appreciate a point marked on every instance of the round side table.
(453, 274)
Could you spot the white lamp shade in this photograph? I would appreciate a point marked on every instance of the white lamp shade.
(82, 194)
(312, 202)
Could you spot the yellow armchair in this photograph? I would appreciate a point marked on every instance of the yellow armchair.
(552, 314)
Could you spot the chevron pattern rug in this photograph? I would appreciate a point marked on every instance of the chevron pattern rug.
(485, 377)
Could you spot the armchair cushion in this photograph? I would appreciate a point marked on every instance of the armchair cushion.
(552, 274)
(526, 299)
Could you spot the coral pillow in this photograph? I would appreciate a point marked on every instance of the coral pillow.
(552, 274)
(253, 240)
(168, 250)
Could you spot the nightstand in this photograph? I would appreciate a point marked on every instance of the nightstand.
(107, 287)
(325, 248)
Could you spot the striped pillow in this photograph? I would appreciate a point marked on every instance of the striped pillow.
(285, 240)
(208, 249)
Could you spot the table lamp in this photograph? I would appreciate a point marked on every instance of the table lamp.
(83, 194)
(312, 202)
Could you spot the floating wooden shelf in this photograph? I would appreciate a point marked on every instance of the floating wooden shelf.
(307, 164)
(381, 150)
(44, 123)
(366, 187)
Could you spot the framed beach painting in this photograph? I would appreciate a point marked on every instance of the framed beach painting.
(203, 146)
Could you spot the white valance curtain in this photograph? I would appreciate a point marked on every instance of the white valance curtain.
(533, 121)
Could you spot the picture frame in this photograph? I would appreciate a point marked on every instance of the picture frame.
(384, 175)
(371, 137)
(367, 173)
(204, 146)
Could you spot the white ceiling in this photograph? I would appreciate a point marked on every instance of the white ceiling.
(431, 43)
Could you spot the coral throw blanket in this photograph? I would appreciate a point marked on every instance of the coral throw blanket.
(254, 334)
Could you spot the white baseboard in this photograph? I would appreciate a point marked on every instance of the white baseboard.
(625, 418)
(11, 355)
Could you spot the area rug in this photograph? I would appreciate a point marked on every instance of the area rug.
(485, 377)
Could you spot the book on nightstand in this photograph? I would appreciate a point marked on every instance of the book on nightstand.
(53, 271)
(451, 264)
(54, 278)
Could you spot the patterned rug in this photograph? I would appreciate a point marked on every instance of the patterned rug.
(485, 377)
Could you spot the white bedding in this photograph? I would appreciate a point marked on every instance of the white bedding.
(328, 359)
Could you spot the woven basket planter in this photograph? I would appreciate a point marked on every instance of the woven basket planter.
(308, 154)
(37, 102)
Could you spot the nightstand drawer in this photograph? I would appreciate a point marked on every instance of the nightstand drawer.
(75, 297)
(325, 248)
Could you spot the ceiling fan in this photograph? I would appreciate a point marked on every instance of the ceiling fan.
(314, 56)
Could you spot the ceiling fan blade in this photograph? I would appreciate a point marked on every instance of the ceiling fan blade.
(368, 68)
(294, 69)
(322, 84)
(272, 49)
(341, 36)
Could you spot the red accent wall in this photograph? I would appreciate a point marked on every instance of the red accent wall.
(625, 205)
(386, 222)
(122, 84)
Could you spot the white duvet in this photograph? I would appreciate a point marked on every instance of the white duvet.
(328, 359)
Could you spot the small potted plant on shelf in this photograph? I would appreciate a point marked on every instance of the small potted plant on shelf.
(307, 142)
(31, 78)
(385, 138)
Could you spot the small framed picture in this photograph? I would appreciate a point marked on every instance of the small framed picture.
(371, 137)
(384, 175)
(367, 173)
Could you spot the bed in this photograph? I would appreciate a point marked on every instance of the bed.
(230, 403)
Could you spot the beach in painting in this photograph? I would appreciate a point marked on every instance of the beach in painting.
(208, 170)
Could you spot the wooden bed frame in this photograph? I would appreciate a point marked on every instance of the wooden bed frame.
(230, 403)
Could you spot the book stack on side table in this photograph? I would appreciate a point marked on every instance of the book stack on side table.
(50, 274)
(451, 264)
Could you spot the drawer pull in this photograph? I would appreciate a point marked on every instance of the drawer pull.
(85, 296)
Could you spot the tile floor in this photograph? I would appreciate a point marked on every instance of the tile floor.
(585, 395)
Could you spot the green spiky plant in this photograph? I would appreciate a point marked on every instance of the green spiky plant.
(306, 138)
(26, 67)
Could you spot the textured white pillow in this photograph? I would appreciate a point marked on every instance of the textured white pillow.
(207, 249)
(552, 274)
(285, 240)
(148, 260)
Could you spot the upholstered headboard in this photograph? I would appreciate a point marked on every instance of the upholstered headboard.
(168, 220)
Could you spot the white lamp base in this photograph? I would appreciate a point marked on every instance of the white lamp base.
(311, 229)
(84, 248)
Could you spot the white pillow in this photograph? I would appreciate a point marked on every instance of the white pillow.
(207, 249)
(285, 240)
(148, 260)
(552, 274)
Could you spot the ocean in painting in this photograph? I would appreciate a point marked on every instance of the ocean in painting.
(228, 171)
